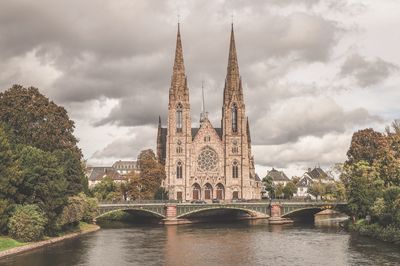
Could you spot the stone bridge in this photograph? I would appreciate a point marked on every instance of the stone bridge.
(179, 213)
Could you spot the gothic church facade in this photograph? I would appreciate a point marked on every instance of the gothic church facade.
(206, 162)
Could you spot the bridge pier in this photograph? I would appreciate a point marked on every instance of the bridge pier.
(171, 216)
(276, 215)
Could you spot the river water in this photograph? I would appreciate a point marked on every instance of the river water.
(239, 243)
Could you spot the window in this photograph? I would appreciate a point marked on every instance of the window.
(179, 148)
(234, 118)
(207, 138)
(235, 170)
(179, 170)
(235, 150)
(207, 160)
(179, 118)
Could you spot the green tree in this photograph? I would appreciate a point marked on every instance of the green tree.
(289, 189)
(105, 190)
(366, 145)
(268, 183)
(79, 208)
(10, 176)
(151, 174)
(10, 179)
(34, 120)
(363, 187)
(72, 171)
(43, 182)
(317, 189)
(279, 191)
(27, 223)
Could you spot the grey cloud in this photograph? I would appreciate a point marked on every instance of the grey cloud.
(288, 121)
(367, 72)
(306, 152)
(129, 147)
(119, 50)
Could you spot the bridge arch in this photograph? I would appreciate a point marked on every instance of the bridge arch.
(307, 212)
(142, 212)
(214, 211)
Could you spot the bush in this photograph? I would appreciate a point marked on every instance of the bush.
(79, 208)
(27, 223)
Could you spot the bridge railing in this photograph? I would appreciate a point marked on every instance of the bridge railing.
(283, 201)
(138, 201)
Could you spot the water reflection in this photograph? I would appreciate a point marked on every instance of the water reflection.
(238, 243)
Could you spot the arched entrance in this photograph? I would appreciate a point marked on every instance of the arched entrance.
(208, 193)
(235, 195)
(220, 191)
(196, 195)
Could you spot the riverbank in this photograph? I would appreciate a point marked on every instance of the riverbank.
(12, 247)
(389, 233)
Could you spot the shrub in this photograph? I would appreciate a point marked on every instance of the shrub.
(79, 208)
(27, 223)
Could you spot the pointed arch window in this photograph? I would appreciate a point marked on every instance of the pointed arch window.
(235, 169)
(234, 118)
(179, 117)
(179, 170)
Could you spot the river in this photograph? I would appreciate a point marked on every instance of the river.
(239, 243)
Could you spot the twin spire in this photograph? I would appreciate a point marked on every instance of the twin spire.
(232, 82)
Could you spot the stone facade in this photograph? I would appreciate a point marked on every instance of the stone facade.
(206, 162)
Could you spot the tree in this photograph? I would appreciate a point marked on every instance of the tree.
(289, 189)
(27, 223)
(268, 183)
(317, 189)
(79, 208)
(366, 145)
(161, 194)
(43, 182)
(72, 171)
(10, 176)
(363, 187)
(279, 191)
(105, 190)
(34, 120)
(151, 174)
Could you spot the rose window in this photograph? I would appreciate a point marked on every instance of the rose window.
(207, 160)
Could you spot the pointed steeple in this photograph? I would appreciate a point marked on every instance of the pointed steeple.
(233, 67)
(232, 82)
(203, 114)
(179, 66)
(178, 80)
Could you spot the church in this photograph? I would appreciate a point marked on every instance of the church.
(206, 162)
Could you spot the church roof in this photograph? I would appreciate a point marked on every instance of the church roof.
(277, 175)
(195, 130)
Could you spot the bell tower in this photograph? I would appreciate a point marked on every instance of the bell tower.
(179, 137)
(235, 133)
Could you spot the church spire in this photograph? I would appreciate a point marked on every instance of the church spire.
(232, 82)
(233, 67)
(203, 114)
(179, 66)
(178, 80)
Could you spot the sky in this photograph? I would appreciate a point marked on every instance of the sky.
(313, 71)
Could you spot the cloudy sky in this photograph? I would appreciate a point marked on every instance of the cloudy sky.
(313, 71)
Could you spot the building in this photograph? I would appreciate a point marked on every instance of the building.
(207, 162)
(117, 172)
(125, 167)
(308, 178)
(278, 177)
(97, 173)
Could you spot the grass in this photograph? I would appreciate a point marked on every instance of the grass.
(7, 243)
